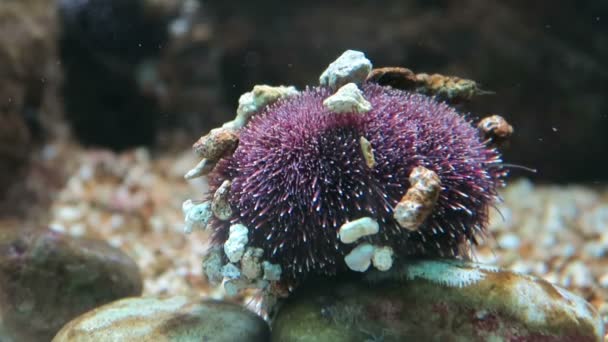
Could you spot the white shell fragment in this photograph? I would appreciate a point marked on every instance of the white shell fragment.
(351, 66)
(271, 271)
(255, 100)
(368, 152)
(354, 230)
(383, 258)
(418, 202)
(348, 99)
(220, 205)
(360, 257)
(234, 247)
(201, 169)
(196, 215)
(251, 264)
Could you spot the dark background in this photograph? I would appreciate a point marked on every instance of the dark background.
(133, 72)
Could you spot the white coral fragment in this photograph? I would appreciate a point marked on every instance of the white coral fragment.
(234, 247)
(348, 99)
(359, 259)
(354, 230)
(351, 66)
(382, 258)
(196, 215)
(252, 102)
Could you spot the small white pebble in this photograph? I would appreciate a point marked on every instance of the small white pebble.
(360, 257)
(383, 258)
(351, 66)
(354, 230)
(509, 241)
(604, 280)
(348, 99)
(69, 213)
(577, 274)
(231, 271)
(234, 247)
(57, 227)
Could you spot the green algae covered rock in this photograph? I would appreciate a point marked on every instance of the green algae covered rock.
(169, 319)
(437, 301)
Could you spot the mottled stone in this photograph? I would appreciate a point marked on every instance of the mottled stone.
(27, 59)
(437, 301)
(169, 319)
(217, 143)
(351, 66)
(47, 279)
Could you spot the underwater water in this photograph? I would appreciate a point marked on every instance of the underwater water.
(190, 170)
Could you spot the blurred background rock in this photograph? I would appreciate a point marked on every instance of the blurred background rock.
(136, 72)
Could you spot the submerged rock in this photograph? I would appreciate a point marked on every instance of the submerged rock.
(47, 279)
(27, 80)
(437, 300)
(170, 319)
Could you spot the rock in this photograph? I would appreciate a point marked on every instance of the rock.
(437, 300)
(170, 319)
(47, 279)
(108, 51)
(27, 57)
(496, 43)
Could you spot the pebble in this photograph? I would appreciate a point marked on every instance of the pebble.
(164, 320)
(234, 247)
(348, 99)
(354, 230)
(360, 257)
(422, 302)
(351, 66)
(509, 241)
(47, 278)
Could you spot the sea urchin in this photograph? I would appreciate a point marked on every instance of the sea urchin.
(317, 189)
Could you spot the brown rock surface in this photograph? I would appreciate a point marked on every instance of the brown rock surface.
(27, 38)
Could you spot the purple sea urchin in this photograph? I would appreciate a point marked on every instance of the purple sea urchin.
(300, 172)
